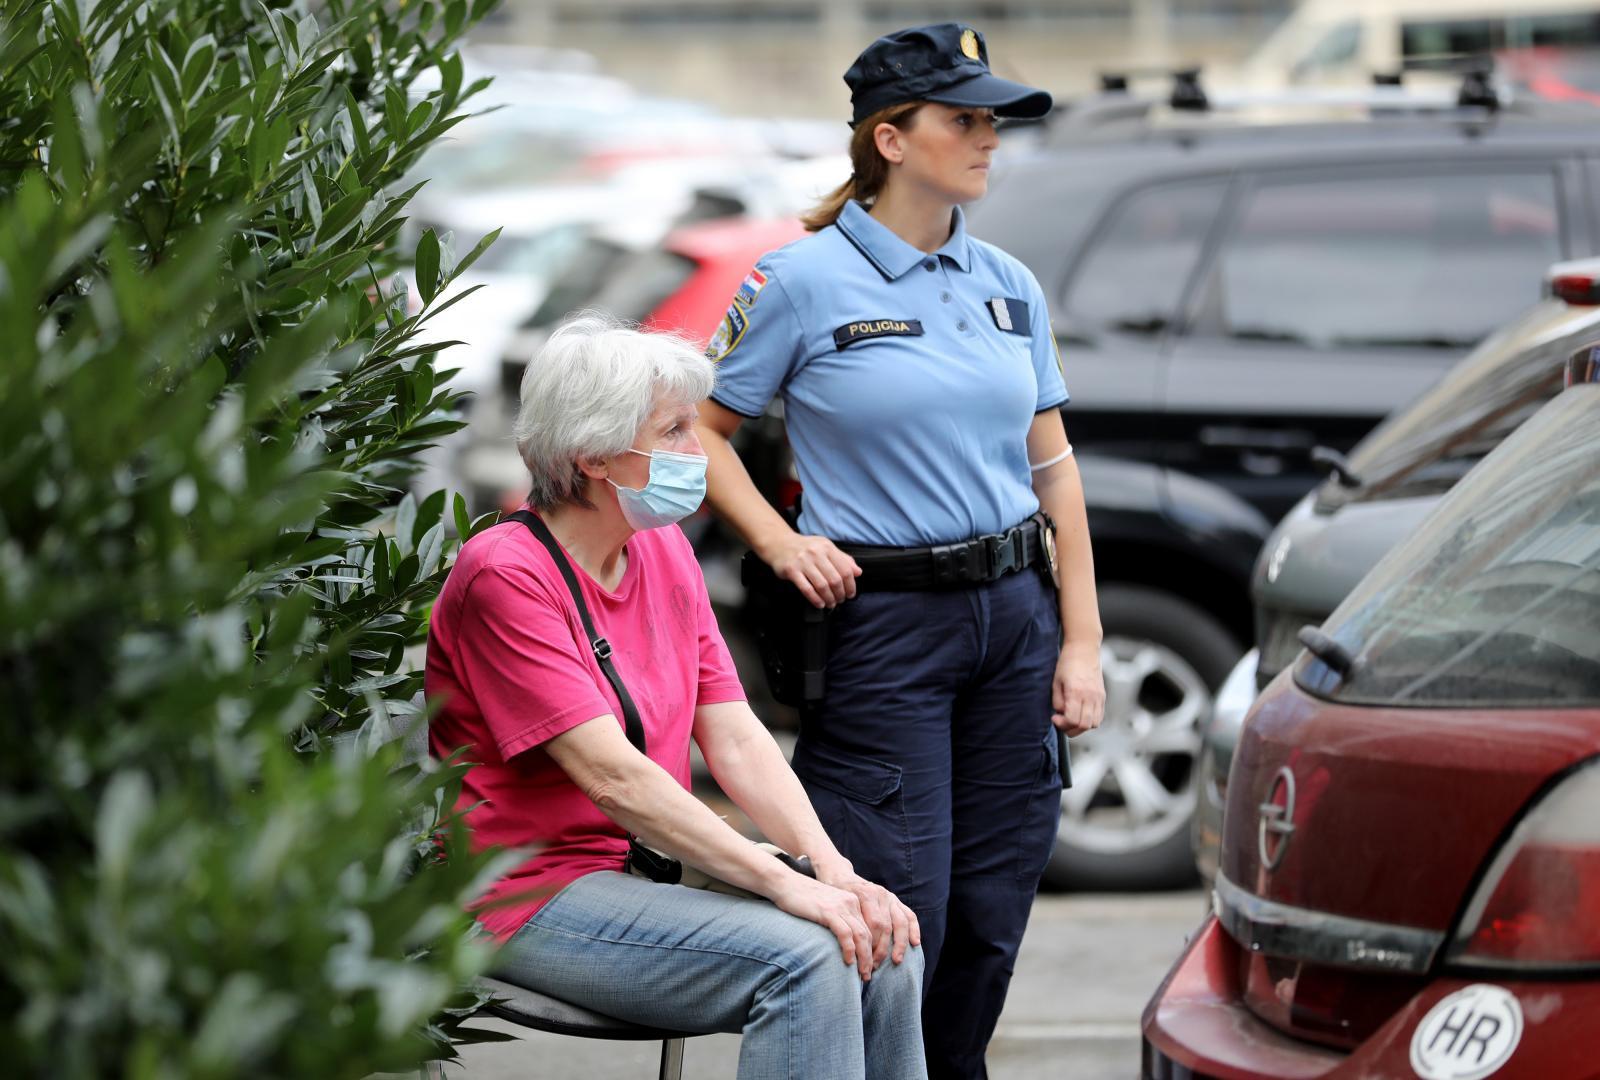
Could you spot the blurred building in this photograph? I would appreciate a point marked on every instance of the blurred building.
(785, 57)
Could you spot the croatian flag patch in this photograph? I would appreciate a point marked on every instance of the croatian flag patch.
(751, 288)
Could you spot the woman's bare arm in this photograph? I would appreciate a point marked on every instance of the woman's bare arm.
(644, 799)
(748, 765)
(1078, 692)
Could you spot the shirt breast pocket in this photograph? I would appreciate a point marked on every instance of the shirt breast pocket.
(1010, 316)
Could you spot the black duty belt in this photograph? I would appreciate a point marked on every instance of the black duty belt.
(947, 566)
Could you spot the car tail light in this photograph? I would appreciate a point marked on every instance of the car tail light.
(1539, 905)
(1580, 289)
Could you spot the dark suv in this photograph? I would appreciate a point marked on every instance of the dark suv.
(1233, 285)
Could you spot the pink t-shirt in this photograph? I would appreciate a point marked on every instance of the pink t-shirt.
(508, 659)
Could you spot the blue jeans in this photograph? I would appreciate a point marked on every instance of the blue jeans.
(690, 960)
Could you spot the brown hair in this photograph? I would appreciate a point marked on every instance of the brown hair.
(870, 170)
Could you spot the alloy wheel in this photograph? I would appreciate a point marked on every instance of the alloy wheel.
(1134, 778)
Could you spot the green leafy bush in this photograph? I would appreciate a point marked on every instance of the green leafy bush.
(213, 862)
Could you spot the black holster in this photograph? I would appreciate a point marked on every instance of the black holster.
(791, 634)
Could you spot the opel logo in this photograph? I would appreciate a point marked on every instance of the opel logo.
(1277, 819)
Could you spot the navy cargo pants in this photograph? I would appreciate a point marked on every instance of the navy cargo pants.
(932, 764)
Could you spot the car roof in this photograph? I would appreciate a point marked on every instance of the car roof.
(1086, 166)
(1295, 123)
(740, 239)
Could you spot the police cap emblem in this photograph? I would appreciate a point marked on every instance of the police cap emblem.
(969, 44)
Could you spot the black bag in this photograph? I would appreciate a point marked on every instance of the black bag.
(791, 634)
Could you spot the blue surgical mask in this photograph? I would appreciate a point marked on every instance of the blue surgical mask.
(676, 488)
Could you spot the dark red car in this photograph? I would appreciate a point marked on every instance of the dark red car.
(1410, 874)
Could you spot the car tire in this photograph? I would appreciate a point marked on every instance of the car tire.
(1164, 659)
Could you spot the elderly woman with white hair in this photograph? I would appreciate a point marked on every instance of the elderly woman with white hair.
(823, 981)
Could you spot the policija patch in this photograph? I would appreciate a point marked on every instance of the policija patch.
(729, 334)
(867, 329)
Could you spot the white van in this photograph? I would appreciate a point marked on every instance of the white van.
(1348, 41)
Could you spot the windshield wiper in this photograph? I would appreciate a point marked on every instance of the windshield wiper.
(1336, 465)
(1338, 659)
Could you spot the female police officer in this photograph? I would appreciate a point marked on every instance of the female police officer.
(921, 390)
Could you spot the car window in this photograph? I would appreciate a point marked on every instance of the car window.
(1492, 602)
(1340, 45)
(1425, 448)
(641, 282)
(578, 281)
(538, 256)
(1426, 261)
(1437, 37)
(1134, 274)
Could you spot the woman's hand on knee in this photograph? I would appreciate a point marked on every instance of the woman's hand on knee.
(838, 911)
(825, 575)
(894, 926)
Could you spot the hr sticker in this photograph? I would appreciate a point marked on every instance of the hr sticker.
(1467, 1035)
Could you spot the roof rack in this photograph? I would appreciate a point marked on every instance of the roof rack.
(1387, 96)
(1476, 71)
(1187, 93)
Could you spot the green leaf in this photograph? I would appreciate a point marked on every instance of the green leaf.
(164, 82)
(477, 250)
(405, 573)
(394, 113)
(342, 216)
(431, 510)
(484, 522)
(455, 17)
(358, 123)
(198, 64)
(267, 85)
(463, 522)
(429, 548)
(419, 116)
(124, 809)
(405, 524)
(450, 78)
(428, 266)
(308, 188)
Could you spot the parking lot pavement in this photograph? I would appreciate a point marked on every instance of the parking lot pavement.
(1088, 965)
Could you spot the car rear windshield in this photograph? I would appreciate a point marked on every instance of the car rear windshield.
(1425, 448)
(1494, 601)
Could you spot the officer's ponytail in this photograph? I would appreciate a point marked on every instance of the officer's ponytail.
(871, 171)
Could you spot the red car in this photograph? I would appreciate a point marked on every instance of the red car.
(1410, 874)
(683, 285)
(715, 257)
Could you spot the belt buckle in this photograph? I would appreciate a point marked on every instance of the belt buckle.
(1004, 553)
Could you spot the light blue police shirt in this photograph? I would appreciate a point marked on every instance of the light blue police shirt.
(909, 381)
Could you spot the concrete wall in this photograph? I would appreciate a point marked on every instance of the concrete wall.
(777, 58)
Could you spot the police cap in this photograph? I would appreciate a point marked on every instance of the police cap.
(947, 63)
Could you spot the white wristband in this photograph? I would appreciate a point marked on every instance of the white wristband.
(1058, 459)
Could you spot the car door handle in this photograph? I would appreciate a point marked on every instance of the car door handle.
(1270, 440)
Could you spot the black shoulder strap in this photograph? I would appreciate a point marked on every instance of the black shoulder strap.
(601, 647)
